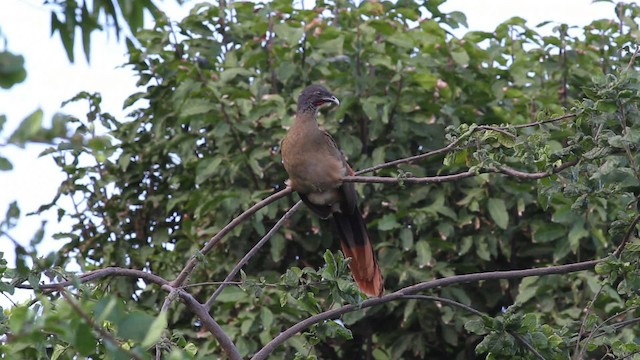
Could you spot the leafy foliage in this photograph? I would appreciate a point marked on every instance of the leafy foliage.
(96, 15)
(201, 146)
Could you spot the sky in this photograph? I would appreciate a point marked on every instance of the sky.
(51, 79)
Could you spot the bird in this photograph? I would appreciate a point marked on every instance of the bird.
(316, 166)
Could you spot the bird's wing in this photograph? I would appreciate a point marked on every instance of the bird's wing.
(348, 189)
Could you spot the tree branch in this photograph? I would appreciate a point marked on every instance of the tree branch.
(190, 301)
(410, 290)
(627, 236)
(455, 143)
(541, 122)
(214, 328)
(193, 262)
(251, 253)
(453, 177)
(98, 274)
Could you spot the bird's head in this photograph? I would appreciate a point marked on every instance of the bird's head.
(315, 96)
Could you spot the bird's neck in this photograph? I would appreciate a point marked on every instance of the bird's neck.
(306, 119)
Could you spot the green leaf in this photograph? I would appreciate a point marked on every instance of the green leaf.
(388, 222)
(291, 35)
(476, 326)
(278, 247)
(426, 80)
(231, 294)
(576, 233)
(460, 56)
(266, 317)
(498, 212)
(207, 168)
(423, 251)
(84, 341)
(547, 232)
(196, 107)
(27, 129)
(155, 330)
(135, 326)
(330, 271)
(12, 70)
(401, 39)
(5, 164)
(406, 238)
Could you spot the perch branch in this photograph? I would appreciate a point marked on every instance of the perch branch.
(453, 177)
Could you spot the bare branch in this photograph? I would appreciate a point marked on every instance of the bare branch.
(193, 262)
(541, 122)
(101, 273)
(251, 253)
(410, 290)
(446, 301)
(453, 177)
(443, 150)
(455, 143)
(502, 130)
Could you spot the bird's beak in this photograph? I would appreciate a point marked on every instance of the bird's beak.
(332, 99)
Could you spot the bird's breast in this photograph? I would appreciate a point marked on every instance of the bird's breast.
(313, 166)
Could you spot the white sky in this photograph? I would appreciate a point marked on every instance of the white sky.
(51, 79)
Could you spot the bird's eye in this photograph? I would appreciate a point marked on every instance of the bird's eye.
(318, 93)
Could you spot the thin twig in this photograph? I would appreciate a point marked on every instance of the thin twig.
(594, 333)
(584, 321)
(9, 298)
(446, 301)
(410, 290)
(251, 253)
(527, 345)
(443, 150)
(502, 130)
(633, 59)
(455, 143)
(536, 123)
(627, 236)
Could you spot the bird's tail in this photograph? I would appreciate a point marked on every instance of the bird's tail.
(356, 245)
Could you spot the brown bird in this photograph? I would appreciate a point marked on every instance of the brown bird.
(316, 167)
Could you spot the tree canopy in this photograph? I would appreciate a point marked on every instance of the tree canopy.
(501, 191)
